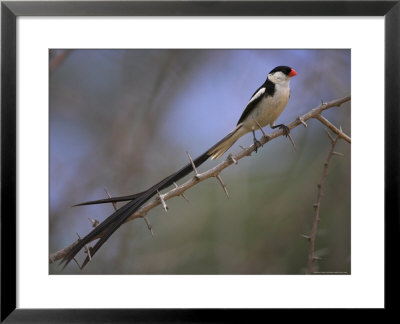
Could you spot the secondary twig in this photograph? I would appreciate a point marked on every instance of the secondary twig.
(334, 129)
(216, 170)
(311, 254)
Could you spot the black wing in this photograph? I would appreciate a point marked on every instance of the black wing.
(250, 106)
(269, 90)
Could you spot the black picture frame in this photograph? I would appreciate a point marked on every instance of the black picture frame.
(9, 13)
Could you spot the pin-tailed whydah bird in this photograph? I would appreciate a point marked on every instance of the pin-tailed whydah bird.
(264, 108)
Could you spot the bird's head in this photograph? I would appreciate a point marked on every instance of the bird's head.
(281, 74)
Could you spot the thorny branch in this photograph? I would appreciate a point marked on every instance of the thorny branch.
(337, 131)
(215, 171)
(311, 254)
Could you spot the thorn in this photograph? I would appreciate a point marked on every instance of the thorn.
(182, 194)
(184, 197)
(94, 222)
(302, 121)
(316, 205)
(337, 153)
(261, 129)
(87, 250)
(148, 225)
(196, 174)
(307, 237)
(245, 148)
(222, 184)
(79, 238)
(162, 201)
(77, 263)
(231, 158)
(315, 258)
(329, 135)
(113, 203)
(291, 140)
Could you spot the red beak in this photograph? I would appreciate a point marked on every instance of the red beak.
(292, 73)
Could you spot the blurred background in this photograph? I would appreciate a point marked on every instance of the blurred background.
(122, 120)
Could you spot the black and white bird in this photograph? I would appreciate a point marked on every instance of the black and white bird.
(264, 108)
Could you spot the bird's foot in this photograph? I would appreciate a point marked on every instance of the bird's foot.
(257, 144)
(286, 130)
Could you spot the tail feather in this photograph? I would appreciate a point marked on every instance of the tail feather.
(223, 145)
(106, 228)
(110, 200)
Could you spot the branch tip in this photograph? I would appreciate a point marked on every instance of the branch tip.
(333, 128)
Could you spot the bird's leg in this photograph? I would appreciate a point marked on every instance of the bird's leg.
(256, 141)
(262, 131)
(286, 130)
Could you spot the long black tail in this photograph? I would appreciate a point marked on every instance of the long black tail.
(111, 223)
(106, 228)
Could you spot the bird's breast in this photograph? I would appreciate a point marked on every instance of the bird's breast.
(268, 109)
